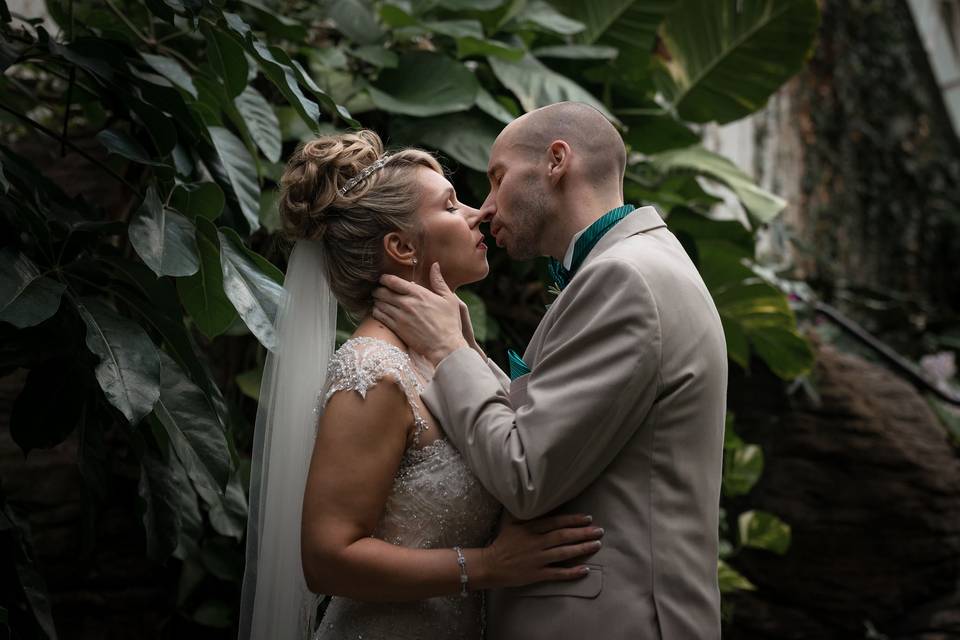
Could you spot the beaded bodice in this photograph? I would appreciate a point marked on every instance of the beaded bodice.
(435, 502)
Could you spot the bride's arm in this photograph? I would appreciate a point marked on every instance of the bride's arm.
(358, 449)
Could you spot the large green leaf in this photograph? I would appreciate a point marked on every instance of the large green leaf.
(484, 326)
(466, 137)
(727, 58)
(425, 84)
(27, 297)
(761, 205)
(172, 71)
(489, 105)
(241, 171)
(536, 86)
(229, 515)
(202, 293)
(255, 295)
(129, 368)
(227, 59)
(198, 199)
(261, 121)
(193, 429)
(163, 238)
(729, 579)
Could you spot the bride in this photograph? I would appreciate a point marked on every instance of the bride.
(392, 523)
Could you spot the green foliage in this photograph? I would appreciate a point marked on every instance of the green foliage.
(196, 103)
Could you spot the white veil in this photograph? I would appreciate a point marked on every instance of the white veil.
(275, 602)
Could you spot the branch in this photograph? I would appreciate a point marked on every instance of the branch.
(39, 127)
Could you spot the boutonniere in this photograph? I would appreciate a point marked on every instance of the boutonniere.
(552, 290)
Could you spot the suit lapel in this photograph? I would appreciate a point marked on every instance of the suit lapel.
(640, 220)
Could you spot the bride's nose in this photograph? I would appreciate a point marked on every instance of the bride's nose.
(474, 217)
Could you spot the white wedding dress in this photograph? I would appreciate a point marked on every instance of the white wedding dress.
(436, 502)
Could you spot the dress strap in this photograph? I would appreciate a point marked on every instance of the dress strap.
(361, 362)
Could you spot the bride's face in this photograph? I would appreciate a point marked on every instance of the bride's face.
(450, 232)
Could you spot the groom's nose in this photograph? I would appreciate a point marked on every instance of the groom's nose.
(488, 209)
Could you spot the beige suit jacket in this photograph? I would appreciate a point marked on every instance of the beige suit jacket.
(621, 418)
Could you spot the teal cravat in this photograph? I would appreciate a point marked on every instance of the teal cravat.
(517, 366)
(587, 241)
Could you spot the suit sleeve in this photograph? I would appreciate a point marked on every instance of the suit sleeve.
(593, 384)
(502, 377)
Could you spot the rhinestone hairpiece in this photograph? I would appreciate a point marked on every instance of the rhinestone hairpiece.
(360, 177)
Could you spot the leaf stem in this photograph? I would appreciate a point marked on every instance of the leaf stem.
(147, 41)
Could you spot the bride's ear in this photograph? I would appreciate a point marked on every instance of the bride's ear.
(399, 247)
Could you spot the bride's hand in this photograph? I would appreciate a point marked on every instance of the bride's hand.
(523, 552)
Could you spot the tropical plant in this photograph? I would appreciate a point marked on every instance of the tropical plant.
(194, 104)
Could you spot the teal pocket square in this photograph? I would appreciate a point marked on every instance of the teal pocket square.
(517, 366)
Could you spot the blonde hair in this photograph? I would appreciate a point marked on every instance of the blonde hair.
(352, 225)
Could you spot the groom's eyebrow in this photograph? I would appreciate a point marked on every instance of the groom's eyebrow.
(492, 171)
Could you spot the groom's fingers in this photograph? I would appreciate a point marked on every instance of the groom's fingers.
(384, 317)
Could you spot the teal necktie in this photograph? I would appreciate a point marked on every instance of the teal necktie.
(587, 241)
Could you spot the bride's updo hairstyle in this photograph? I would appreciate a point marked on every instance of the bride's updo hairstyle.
(352, 225)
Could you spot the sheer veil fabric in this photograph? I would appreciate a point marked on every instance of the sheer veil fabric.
(275, 602)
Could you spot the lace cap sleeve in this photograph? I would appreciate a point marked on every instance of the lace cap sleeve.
(361, 363)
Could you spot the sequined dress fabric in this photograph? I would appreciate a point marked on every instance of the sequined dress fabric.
(436, 502)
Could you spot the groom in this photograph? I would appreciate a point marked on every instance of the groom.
(616, 408)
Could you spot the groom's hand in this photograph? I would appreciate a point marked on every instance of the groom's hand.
(427, 321)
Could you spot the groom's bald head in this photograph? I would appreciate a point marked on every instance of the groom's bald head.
(587, 131)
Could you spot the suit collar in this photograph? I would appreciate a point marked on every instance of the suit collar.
(641, 220)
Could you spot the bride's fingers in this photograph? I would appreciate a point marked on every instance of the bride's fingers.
(566, 520)
(570, 551)
(574, 535)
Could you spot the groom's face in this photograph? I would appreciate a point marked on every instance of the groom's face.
(516, 205)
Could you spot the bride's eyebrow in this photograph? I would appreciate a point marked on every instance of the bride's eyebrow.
(448, 194)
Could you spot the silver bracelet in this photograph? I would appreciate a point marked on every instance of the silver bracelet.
(463, 572)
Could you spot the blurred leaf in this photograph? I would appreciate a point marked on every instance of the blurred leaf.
(172, 71)
(470, 5)
(489, 105)
(255, 295)
(227, 59)
(216, 614)
(456, 28)
(761, 205)
(425, 84)
(202, 293)
(122, 144)
(484, 326)
(656, 133)
(241, 171)
(377, 56)
(762, 530)
(577, 52)
(784, 350)
(19, 554)
(262, 122)
(730, 580)
(726, 59)
(229, 516)
(129, 368)
(470, 46)
(26, 296)
(536, 86)
(269, 210)
(249, 383)
(544, 15)
(198, 199)
(355, 19)
(163, 238)
(742, 468)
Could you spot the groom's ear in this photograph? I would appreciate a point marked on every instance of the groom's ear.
(399, 247)
(558, 160)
